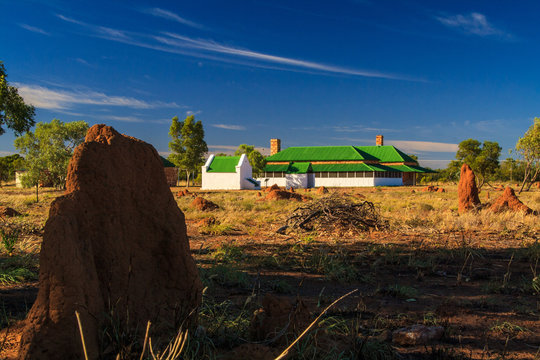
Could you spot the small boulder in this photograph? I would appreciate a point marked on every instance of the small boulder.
(202, 204)
(467, 190)
(8, 212)
(417, 335)
(509, 201)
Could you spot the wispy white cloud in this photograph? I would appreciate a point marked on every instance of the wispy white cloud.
(57, 99)
(68, 19)
(229, 127)
(422, 146)
(34, 29)
(185, 42)
(212, 50)
(473, 23)
(169, 15)
(191, 112)
(84, 62)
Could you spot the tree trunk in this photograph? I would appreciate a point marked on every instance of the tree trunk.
(187, 178)
(37, 192)
(525, 177)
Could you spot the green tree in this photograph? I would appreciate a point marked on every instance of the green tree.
(482, 158)
(14, 113)
(528, 148)
(188, 146)
(255, 158)
(8, 165)
(48, 150)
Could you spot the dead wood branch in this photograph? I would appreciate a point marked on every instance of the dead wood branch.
(336, 213)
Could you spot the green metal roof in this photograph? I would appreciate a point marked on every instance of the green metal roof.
(411, 168)
(386, 153)
(299, 168)
(292, 168)
(341, 167)
(277, 167)
(321, 153)
(224, 164)
(166, 163)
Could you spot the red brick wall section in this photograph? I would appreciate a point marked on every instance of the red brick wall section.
(171, 173)
(275, 146)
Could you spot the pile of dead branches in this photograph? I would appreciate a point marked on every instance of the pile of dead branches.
(335, 213)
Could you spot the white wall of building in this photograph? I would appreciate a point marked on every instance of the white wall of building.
(230, 180)
(18, 178)
(344, 182)
(297, 181)
(267, 182)
(301, 181)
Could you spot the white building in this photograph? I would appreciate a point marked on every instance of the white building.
(228, 173)
(339, 166)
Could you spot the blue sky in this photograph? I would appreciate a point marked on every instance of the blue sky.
(425, 74)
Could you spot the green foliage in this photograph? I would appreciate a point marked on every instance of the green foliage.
(9, 239)
(528, 148)
(49, 149)
(188, 146)
(483, 159)
(14, 113)
(228, 253)
(14, 276)
(8, 166)
(256, 160)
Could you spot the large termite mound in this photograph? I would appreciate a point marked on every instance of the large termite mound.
(114, 246)
(467, 191)
(509, 201)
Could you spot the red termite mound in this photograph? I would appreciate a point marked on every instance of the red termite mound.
(114, 244)
(509, 201)
(467, 190)
(202, 204)
(284, 195)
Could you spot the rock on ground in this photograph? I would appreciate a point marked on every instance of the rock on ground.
(508, 201)
(467, 191)
(202, 204)
(417, 335)
(114, 245)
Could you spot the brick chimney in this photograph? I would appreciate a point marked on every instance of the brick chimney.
(275, 146)
(379, 140)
